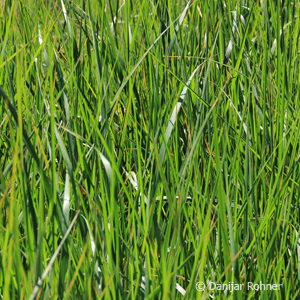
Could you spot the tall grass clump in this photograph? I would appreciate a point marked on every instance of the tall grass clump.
(149, 149)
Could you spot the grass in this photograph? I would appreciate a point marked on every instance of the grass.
(149, 146)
